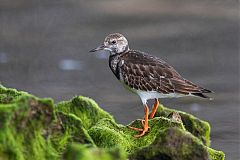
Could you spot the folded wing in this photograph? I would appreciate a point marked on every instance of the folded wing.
(149, 73)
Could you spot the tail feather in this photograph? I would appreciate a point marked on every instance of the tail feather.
(186, 87)
(206, 91)
(200, 94)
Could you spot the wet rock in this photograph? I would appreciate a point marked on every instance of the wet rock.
(197, 127)
(34, 128)
(175, 116)
(23, 120)
(173, 144)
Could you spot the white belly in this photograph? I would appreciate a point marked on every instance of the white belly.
(153, 94)
(146, 95)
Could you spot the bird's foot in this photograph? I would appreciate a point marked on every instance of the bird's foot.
(142, 130)
(144, 124)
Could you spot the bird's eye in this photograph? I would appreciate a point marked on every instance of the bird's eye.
(113, 42)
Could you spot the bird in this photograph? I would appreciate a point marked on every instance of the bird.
(147, 76)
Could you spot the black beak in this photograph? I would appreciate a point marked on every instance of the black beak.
(101, 47)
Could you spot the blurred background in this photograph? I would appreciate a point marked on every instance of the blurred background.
(44, 50)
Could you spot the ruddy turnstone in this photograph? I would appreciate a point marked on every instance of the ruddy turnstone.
(146, 75)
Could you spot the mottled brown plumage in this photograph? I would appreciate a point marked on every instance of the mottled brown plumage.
(146, 75)
(145, 72)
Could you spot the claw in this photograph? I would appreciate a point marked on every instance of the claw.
(136, 129)
(140, 135)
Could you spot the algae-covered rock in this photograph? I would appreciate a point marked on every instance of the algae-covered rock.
(76, 117)
(215, 155)
(173, 144)
(108, 134)
(85, 109)
(84, 152)
(34, 128)
(197, 127)
(69, 129)
(23, 120)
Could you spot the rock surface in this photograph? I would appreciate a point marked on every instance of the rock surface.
(34, 128)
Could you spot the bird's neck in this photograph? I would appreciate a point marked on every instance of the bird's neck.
(114, 60)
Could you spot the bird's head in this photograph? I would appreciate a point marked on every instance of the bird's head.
(115, 43)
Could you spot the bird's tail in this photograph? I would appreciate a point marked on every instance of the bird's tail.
(202, 95)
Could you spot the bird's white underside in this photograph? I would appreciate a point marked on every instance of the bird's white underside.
(146, 95)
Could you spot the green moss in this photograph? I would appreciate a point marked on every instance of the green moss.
(9, 95)
(197, 127)
(23, 120)
(68, 129)
(215, 155)
(173, 144)
(34, 128)
(83, 152)
(84, 108)
(106, 133)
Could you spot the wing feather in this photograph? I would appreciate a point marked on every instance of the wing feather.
(148, 73)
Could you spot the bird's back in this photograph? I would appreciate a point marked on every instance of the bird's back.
(141, 71)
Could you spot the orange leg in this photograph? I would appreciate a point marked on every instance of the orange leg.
(144, 124)
(155, 106)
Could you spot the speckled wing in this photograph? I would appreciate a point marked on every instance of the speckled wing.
(144, 72)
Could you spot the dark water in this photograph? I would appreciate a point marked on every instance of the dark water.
(44, 50)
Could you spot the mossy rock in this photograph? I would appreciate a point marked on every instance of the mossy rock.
(197, 127)
(175, 144)
(66, 129)
(85, 152)
(215, 155)
(23, 122)
(108, 134)
(85, 109)
(34, 128)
